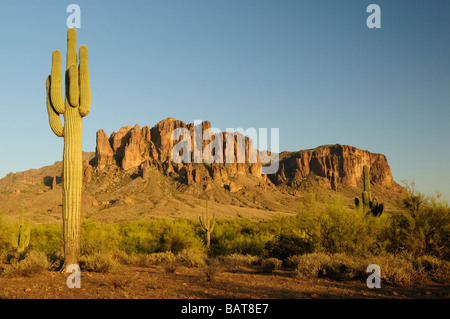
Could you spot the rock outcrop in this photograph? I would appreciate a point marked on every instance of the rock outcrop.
(104, 152)
(340, 164)
(138, 149)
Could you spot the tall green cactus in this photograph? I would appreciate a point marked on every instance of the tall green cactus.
(76, 105)
(23, 239)
(207, 223)
(368, 204)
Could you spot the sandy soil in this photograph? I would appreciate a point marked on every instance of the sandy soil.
(126, 282)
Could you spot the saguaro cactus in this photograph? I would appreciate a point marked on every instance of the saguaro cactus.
(368, 204)
(207, 223)
(23, 239)
(76, 105)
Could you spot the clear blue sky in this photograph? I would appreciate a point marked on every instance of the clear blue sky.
(311, 68)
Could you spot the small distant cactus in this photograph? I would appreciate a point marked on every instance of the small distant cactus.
(368, 204)
(207, 223)
(23, 239)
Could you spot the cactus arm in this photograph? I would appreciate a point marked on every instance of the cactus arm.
(26, 234)
(56, 96)
(71, 47)
(21, 215)
(74, 93)
(85, 89)
(213, 223)
(201, 223)
(53, 117)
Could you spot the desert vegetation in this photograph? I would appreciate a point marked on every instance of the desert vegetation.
(328, 240)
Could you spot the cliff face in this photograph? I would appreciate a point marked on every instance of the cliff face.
(339, 164)
(136, 148)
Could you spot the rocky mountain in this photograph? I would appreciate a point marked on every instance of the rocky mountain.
(131, 175)
(132, 148)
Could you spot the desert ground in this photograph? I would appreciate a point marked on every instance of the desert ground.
(128, 282)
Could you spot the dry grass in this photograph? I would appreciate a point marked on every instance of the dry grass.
(153, 282)
(270, 264)
(98, 262)
(237, 261)
(32, 263)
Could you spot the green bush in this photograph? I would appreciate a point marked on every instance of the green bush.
(158, 236)
(284, 246)
(6, 235)
(98, 238)
(242, 236)
(47, 238)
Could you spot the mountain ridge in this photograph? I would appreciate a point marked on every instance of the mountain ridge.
(130, 177)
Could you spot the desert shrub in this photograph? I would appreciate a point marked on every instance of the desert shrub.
(191, 258)
(311, 265)
(436, 269)
(340, 267)
(32, 263)
(423, 232)
(98, 238)
(337, 229)
(6, 234)
(179, 235)
(97, 262)
(236, 261)
(343, 267)
(171, 263)
(122, 257)
(56, 260)
(242, 236)
(422, 229)
(284, 246)
(212, 269)
(270, 264)
(396, 270)
(160, 258)
(293, 261)
(47, 238)
(158, 236)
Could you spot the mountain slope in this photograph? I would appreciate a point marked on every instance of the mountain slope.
(130, 177)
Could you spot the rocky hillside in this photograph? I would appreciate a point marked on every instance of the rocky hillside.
(131, 176)
(132, 148)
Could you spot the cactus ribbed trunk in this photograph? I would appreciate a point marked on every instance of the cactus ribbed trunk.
(72, 184)
(207, 223)
(76, 105)
(366, 180)
(369, 204)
